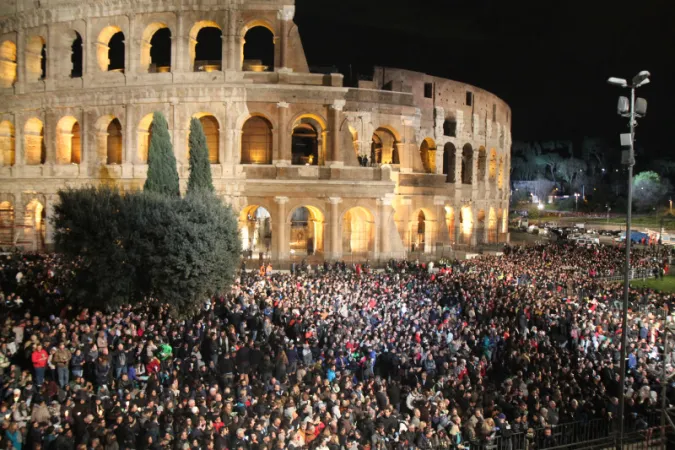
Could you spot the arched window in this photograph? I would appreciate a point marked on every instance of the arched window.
(258, 50)
(76, 56)
(206, 47)
(36, 59)
(305, 145)
(255, 226)
(110, 49)
(34, 143)
(156, 48)
(428, 155)
(467, 164)
(7, 64)
(358, 231)
(449, 161)
(212, 134)
(68, 143)
(307, 226)
(144, 137)
(256, 141)
(114, 142)
(7, 143)
(384, 147)
(116, 53)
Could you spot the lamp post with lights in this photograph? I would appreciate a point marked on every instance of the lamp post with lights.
(632, 111)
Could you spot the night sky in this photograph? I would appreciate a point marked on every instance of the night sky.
(548, 60)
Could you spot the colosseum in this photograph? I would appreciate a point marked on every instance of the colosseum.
(402, 165)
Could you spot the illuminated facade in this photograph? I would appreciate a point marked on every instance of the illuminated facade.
(406, 163)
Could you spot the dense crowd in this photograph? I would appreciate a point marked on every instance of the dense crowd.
(496, 349)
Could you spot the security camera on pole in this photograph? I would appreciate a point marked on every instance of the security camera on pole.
(637, 108)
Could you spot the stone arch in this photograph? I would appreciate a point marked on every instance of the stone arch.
(384, 147)
(449, 162)
(307, 230)
(257, 140)
(211, 127)
(257, 46)
(110, 43)
(428, 155)
(255, 228)
(7, 222)
(76, 55)
(110, 141)
(144, 136)
(7, 64)
(492, 171)
(482, 163)
(68, 141)
(156, 48)
(308, 140)
(35, 223)
(36, 61)
(450, 222)
(34, 143)
(358, 231)
(467, 164)
(465, 224)
(420, 231)
(206, 54)
(7, 143)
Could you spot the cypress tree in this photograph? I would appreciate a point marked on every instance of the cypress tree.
(162, 172)
(200, 167)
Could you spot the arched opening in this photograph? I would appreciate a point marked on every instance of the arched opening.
(450, 223)
(503, 223)
(156, 48)
(110, 49)
(428, 155)
(68, 143)
(305, 145)
(76, 56)
(114, 142)
(34, 143)
(384, 147)
(7, 143)
(307, 224)
(7, 64)
(6, 224)
(358, 232)
(36, 59)
(467, 164)
(492, 226)
(492, 171)
(206, 47)
(449, 161)
(35, 224)
(500, 173)
(256, 141)
(212, 133)
(465, 225)
(480, 225)
(482, 164)
(258, 50)
(255, 225)
(419, 239)
(144, 137)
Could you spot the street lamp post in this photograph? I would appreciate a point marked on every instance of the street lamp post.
(576, 201)
(639, 80)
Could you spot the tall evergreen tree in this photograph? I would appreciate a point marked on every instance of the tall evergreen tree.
(200, 167)
(162, 172)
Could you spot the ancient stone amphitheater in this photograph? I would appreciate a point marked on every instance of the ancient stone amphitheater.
(405, 164)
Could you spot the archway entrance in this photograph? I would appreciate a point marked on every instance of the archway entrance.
(465, 225)
(255, 224)
(467, 164)
(419, 233)
(259, 50)
(358, 232)
(307, 224)
(428, 155)
(256, 141)
(449, 159)
(305, 146)
(34, 225)
(384, 147)
(450, 223)
(206, 47)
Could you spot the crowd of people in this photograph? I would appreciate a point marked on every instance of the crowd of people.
(494, 351)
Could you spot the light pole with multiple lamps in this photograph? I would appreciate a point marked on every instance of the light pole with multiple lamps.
(576, 201)
(632, 111)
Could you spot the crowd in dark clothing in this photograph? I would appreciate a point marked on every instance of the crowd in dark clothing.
(494, 348)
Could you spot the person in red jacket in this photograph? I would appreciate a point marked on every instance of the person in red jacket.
(39, 358)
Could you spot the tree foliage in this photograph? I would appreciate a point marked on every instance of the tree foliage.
(137, 245)
(648, 190)
(200, 167)
(162, 172)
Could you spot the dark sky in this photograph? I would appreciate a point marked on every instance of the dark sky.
(549, 60)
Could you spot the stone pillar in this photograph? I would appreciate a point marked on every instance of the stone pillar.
(285, 16)
(20, 61)
(384, 206)
(232, 41)
(335, 250)
(281, 233)
(228, 151)
(458, 167)
(335, 157)
(235, 144)
(48, 137)
(19, 153)
(84, 143)
(283, 157)
(442, 234)
(474, 169)
(130, 152)
(49, 214)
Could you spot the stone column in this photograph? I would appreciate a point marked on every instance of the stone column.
(283, 157)
(335, 250)
(48, 137)
(235, 143)
(20, 61)
(84, 143)
(130, 152)
(285, 16)
(384, 205)
(458, 167)
(335, 157)
(474, 169)
(281, 233)
(232, 41)
(442, 234)
(19, 153)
